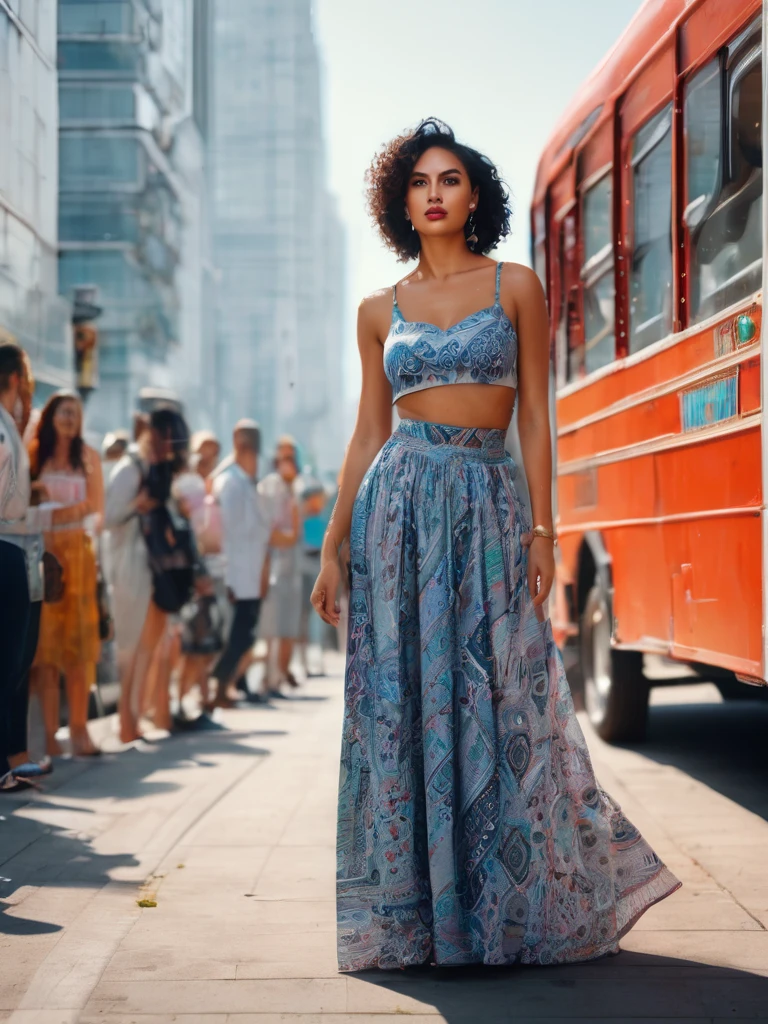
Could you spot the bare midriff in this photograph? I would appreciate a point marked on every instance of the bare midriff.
(487, 406)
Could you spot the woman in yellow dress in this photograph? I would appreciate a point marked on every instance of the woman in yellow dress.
(68, 474)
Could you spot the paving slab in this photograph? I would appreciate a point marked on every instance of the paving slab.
(232, 835)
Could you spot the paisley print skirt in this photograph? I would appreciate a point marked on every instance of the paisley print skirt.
(471, 828)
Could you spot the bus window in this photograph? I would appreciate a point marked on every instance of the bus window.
(724, 178)
(597, 275)
(650, 315)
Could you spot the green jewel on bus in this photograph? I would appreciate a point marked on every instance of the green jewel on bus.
(745, 325)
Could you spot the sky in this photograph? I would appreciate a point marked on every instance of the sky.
(500, 72)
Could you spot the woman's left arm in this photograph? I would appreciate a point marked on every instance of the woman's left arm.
(533, 425)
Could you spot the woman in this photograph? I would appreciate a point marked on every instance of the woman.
(471, 828)
(280, 623)
(139, 486)
(69, 643)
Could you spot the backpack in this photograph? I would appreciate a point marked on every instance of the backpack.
(172, 556)
(171, 550)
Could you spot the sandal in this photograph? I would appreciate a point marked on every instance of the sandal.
(9, 784)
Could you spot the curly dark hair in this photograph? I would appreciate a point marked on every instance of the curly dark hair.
(387, 183)
(44, 442)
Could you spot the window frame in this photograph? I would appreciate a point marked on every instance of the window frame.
(735, 55)
(630, 163)
(599, 264)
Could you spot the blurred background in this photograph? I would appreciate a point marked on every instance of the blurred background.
(181, 185)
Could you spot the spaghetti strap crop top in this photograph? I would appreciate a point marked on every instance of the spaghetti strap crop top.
(480, 349)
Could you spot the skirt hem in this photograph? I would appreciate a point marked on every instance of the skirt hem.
(647, 896)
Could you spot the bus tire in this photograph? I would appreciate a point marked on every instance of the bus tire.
(615, 690)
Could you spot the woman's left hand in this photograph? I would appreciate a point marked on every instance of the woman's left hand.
(541, 568)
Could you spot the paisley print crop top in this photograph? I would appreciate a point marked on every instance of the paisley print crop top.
(480, 349)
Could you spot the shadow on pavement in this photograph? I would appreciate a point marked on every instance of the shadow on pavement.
(721, 745)
(632, 985)
(46, 837)
(36, 854)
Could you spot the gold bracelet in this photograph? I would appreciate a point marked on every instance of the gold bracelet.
(542, 531)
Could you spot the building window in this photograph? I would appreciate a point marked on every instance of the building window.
(86, 158)
(97, 17)
(85, 56)
(598, 285)
(651, 275)
(723, 146)
(107, 103)
(117, 278)
(95, 219)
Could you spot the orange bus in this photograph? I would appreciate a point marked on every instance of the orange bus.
(647, 232)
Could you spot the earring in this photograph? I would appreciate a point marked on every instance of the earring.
(471, 237)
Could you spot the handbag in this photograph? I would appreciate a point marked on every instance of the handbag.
(53, 579)
(106, 622)
(202, 626)
(170, 543)
(172, 556)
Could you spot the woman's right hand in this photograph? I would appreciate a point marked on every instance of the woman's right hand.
(144, 503)
(38, 493)
(324, 597)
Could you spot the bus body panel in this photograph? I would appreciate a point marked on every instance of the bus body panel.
(659, 453)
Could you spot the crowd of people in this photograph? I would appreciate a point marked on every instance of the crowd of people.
(157, 546)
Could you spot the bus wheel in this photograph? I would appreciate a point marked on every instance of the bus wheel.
(615, 689)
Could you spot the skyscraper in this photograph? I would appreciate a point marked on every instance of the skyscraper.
(134, 114)
(278, 242)
(31, 312)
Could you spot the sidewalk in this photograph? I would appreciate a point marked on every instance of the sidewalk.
(232, 835)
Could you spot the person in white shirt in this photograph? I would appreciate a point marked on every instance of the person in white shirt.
(246, 529)
(21, 576)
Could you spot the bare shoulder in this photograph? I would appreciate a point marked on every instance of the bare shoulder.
(375, 313)
(521, 292)
(520, 284)
(91, 458)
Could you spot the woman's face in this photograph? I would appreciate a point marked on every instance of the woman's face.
(161, 446)
(207, 456)
(66, 419)
(286, 467)
(439, 195)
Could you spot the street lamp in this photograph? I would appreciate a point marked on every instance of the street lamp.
(86, 336)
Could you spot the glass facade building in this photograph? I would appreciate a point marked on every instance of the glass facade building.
(31, 311)
(278, 240)
(126, 88)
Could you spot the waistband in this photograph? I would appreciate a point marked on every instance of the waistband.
(484, 443)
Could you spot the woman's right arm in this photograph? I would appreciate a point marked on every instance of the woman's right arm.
(372, 428)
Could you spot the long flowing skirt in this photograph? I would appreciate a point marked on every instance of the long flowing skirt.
(471, 828)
